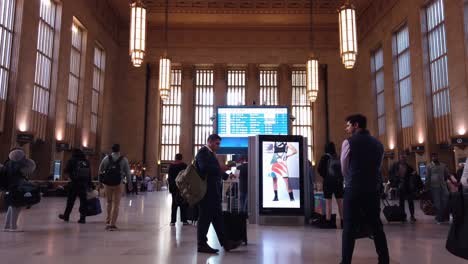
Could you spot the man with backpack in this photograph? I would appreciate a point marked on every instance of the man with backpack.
(113, 170)
(330, 169)
(79, 172)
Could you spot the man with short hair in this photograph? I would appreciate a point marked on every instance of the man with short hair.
(405, 179)
(436, 181)
(210, 206)
(361, 159)
(113, 170)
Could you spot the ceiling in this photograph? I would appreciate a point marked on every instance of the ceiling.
(239, 13)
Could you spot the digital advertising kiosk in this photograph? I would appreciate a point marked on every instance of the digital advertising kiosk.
(279, 189)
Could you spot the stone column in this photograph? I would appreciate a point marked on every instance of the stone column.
(186, 126)
(153, 119)
(252, 93)
(220, 88)
(284, 85)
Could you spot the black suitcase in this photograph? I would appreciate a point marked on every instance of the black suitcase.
(235, 226)
(235, 221)
(393, 213)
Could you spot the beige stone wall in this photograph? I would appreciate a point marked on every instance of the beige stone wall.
(100, 25)
(376, 26)
(219, 47)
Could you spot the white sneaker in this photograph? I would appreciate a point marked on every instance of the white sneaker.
(16, 230)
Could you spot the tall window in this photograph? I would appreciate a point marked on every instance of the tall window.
(44, 59)
(301, 109)
(466, 23)
(170, 119)
(268, 87)
(74, 80)
(7, 11)
(437, 47)
(98, 85)
(236, 87)
(203, 107)
(402, 76)
(378, 85)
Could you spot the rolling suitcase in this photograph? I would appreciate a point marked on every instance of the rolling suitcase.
(393, 213)
(235, 221)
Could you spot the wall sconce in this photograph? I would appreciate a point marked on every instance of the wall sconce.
(420, 139)
(461, 131)
(213, 117)
(391, 146)
(22, 126)
(292, 118)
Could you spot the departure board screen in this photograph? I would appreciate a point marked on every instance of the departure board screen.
(236, 124)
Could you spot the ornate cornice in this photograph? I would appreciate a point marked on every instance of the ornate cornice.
(244, 6)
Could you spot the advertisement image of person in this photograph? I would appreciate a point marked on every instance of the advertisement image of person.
(279, 166)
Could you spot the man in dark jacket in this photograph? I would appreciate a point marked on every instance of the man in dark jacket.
(177, 166)
(210, 206)
(404, 178)
(79, 172)
(361, 159)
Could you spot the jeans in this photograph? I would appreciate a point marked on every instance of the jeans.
(410, 198)
(440, 198)
(369, 204)
(210, 212)
(11, 218)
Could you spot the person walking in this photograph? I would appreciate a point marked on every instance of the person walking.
(436, 181)
(113, 170)
(330, 169)
(361, 160)
(243, 183)
(79, 172)
(14, 173)
(405, 179)
(210, 205)
(177, 201)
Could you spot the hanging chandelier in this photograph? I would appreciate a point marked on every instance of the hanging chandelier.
(165, 64)
(312, 79)
(312, 66)
(137, 32)
(348, 38)
(164, 78)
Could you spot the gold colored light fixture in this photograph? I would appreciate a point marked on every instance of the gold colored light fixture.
(137, 32)
(165, 65)
(312, 66)
(348, 37)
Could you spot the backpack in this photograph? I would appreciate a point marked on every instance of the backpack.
(334, 169)
(191, 186)
(82, 171)
(113, 175)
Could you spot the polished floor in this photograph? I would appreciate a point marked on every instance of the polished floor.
(146, 237)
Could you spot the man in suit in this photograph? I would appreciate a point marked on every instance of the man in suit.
(361, 159)
(210, 206)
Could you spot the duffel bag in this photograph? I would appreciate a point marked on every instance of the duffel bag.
(93, 207)
(23, 194)
(192, 187)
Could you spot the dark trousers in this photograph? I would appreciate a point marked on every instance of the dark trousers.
(183, 209)
(210, 213)
(76, 190)
(135, 188)
(410, 198)
(357, 204)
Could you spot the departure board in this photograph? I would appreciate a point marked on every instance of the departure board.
(251, 121)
